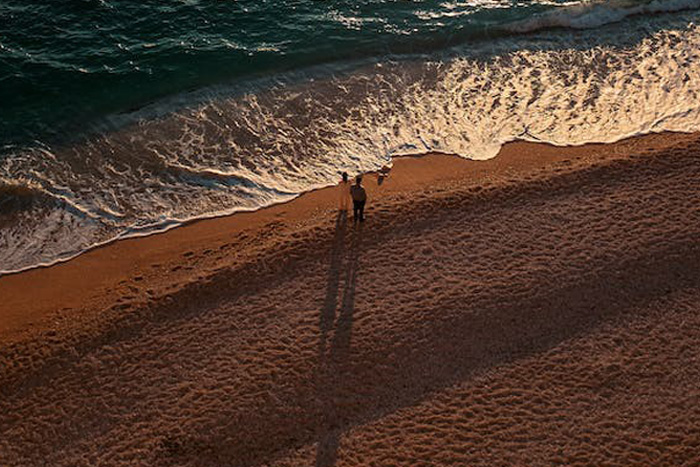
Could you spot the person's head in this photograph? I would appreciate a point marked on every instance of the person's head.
(345, 176)
(358, 179)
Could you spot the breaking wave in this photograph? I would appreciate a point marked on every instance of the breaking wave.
(242, 147)
(590, 15)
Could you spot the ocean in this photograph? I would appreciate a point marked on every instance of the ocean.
(122, 119)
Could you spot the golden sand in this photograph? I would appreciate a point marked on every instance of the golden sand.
(539, 308)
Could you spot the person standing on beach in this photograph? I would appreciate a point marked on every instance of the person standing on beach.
(344, 192)
(359, 198)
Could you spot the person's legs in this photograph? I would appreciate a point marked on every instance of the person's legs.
(362, 211)
(355, 210)
(344, 197)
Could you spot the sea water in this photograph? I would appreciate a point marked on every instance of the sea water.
(122, 118)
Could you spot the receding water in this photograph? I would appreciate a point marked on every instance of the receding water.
(121, 120)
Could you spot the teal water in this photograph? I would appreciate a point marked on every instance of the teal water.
(64, 63)
(121, 118)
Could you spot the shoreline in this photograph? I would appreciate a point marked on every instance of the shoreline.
(540, 307)
(84, 279)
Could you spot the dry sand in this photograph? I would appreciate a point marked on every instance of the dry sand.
(540, 308)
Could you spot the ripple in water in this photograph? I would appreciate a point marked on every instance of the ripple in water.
(240, 148)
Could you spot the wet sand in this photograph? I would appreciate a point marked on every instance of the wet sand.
(538, 308)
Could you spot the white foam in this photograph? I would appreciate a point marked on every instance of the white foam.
(242, 149)
(594, 14)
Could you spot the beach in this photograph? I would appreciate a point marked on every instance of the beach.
(537, 308)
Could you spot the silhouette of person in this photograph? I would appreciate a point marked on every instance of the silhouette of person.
(359, 198)
(344, 192)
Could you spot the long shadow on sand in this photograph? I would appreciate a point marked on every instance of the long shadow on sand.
(334, 357)
(475, 330)
(330, 303)
(475, 336)
(496, 334)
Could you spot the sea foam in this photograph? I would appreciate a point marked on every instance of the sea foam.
(243, 147)
(594, 14)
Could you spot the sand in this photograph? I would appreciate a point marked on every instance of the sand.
(539, 308)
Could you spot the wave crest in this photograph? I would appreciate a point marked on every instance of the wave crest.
(596, 14)
(244, 148)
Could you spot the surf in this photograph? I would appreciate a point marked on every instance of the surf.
(243, 146)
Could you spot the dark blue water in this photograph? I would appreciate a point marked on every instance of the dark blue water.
(63, 63)
(122, 118)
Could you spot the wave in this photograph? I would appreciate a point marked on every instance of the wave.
(595, 14)
(240, 148)
(262, 39)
